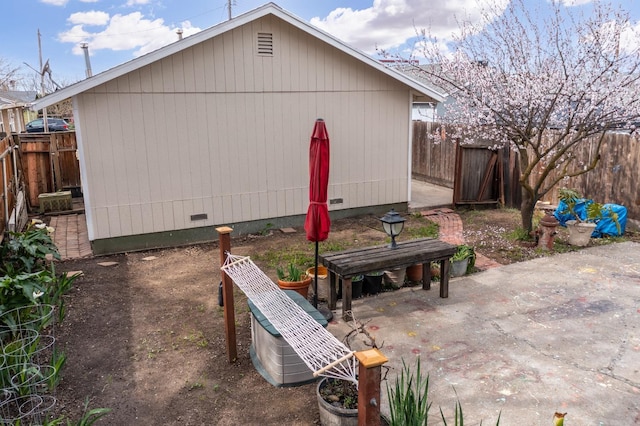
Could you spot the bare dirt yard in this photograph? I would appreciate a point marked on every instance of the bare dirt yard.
(145, 336)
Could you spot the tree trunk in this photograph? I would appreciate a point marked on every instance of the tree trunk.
(528, 197)
(526, 211)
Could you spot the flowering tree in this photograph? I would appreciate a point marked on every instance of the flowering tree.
(541, 81)
(7, 75)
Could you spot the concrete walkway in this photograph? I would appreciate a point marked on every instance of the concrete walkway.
(71, 236)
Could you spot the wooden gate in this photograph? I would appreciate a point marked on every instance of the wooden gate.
(479, 177)
(478, 173)
(49, 163)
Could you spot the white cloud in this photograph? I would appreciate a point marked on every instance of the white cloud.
(89, 1)
(126, 32)
(55, 2)
(388, 24)
(137, 2)
(569, 3)
(93, 17)
(630, 39)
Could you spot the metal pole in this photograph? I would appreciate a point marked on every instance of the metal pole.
(315, 280)
(45, 124)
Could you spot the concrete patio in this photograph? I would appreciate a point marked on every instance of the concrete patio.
(525, 340)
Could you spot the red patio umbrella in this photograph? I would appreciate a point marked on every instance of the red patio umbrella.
(317, 222)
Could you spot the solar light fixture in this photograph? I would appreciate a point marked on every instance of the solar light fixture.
(392, 223)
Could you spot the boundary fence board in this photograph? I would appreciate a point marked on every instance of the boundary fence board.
(8, 183)
(613, 180)
(49, 163)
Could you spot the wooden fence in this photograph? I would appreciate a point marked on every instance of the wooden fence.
(478, 173)
(32, 164)
(432, 161)
(8, 182)
(49, 163)
(468, 170)
(614, 179)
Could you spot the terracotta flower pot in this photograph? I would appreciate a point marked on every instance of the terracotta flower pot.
(302, 287)
(414, 273)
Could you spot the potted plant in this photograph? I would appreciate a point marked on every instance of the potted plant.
(293, 278)
(338, 398)
(337, 402)
(581, 216)
(394, 278)
(463, 260)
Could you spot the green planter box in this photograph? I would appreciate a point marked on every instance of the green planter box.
(55, 201)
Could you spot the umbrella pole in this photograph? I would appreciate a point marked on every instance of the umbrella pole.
(325, 311)
(315, 280)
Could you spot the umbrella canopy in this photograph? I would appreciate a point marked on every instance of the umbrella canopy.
(317, 222)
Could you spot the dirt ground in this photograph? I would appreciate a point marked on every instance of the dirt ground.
(144, 336)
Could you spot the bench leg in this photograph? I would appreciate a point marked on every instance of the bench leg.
(426, 276)
(346, 299)
(445, 266)
(333, 295)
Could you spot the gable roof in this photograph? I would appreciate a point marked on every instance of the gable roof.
(267, 9)
(16, 98)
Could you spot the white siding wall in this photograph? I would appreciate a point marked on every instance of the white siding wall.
(217, 129)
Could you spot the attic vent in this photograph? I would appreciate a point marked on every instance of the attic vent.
(265, 44)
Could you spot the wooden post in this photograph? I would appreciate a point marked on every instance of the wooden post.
(54, 158)
(346, 299)
(370, 363)
(333, 294)
(224, 237)
(445, 267)
(426, 276)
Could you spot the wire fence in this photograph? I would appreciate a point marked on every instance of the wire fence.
(27, 374)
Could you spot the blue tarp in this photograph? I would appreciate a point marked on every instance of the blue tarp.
(604, 227)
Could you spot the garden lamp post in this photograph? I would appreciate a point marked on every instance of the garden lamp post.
(392, 223)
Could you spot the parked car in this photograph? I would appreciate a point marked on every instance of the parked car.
(54, 124)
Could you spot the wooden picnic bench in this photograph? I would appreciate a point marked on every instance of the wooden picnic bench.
(346, 264)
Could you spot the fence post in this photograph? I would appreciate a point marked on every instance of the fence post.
(370, 365)
(224, 237)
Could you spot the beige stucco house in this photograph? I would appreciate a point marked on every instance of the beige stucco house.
(214, 130)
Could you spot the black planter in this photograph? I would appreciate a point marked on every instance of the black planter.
(356, 286)
(372, 283)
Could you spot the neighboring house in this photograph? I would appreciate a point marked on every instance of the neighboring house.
(214, 130)
(14, 110)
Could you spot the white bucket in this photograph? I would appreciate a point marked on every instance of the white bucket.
(323, 282)
(459, 267)
(580, 232)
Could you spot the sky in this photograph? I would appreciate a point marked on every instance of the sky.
(117, 31)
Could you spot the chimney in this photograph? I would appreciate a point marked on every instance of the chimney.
(179, 32)
(85, 47)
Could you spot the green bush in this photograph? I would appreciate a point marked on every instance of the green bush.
(30, 292)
